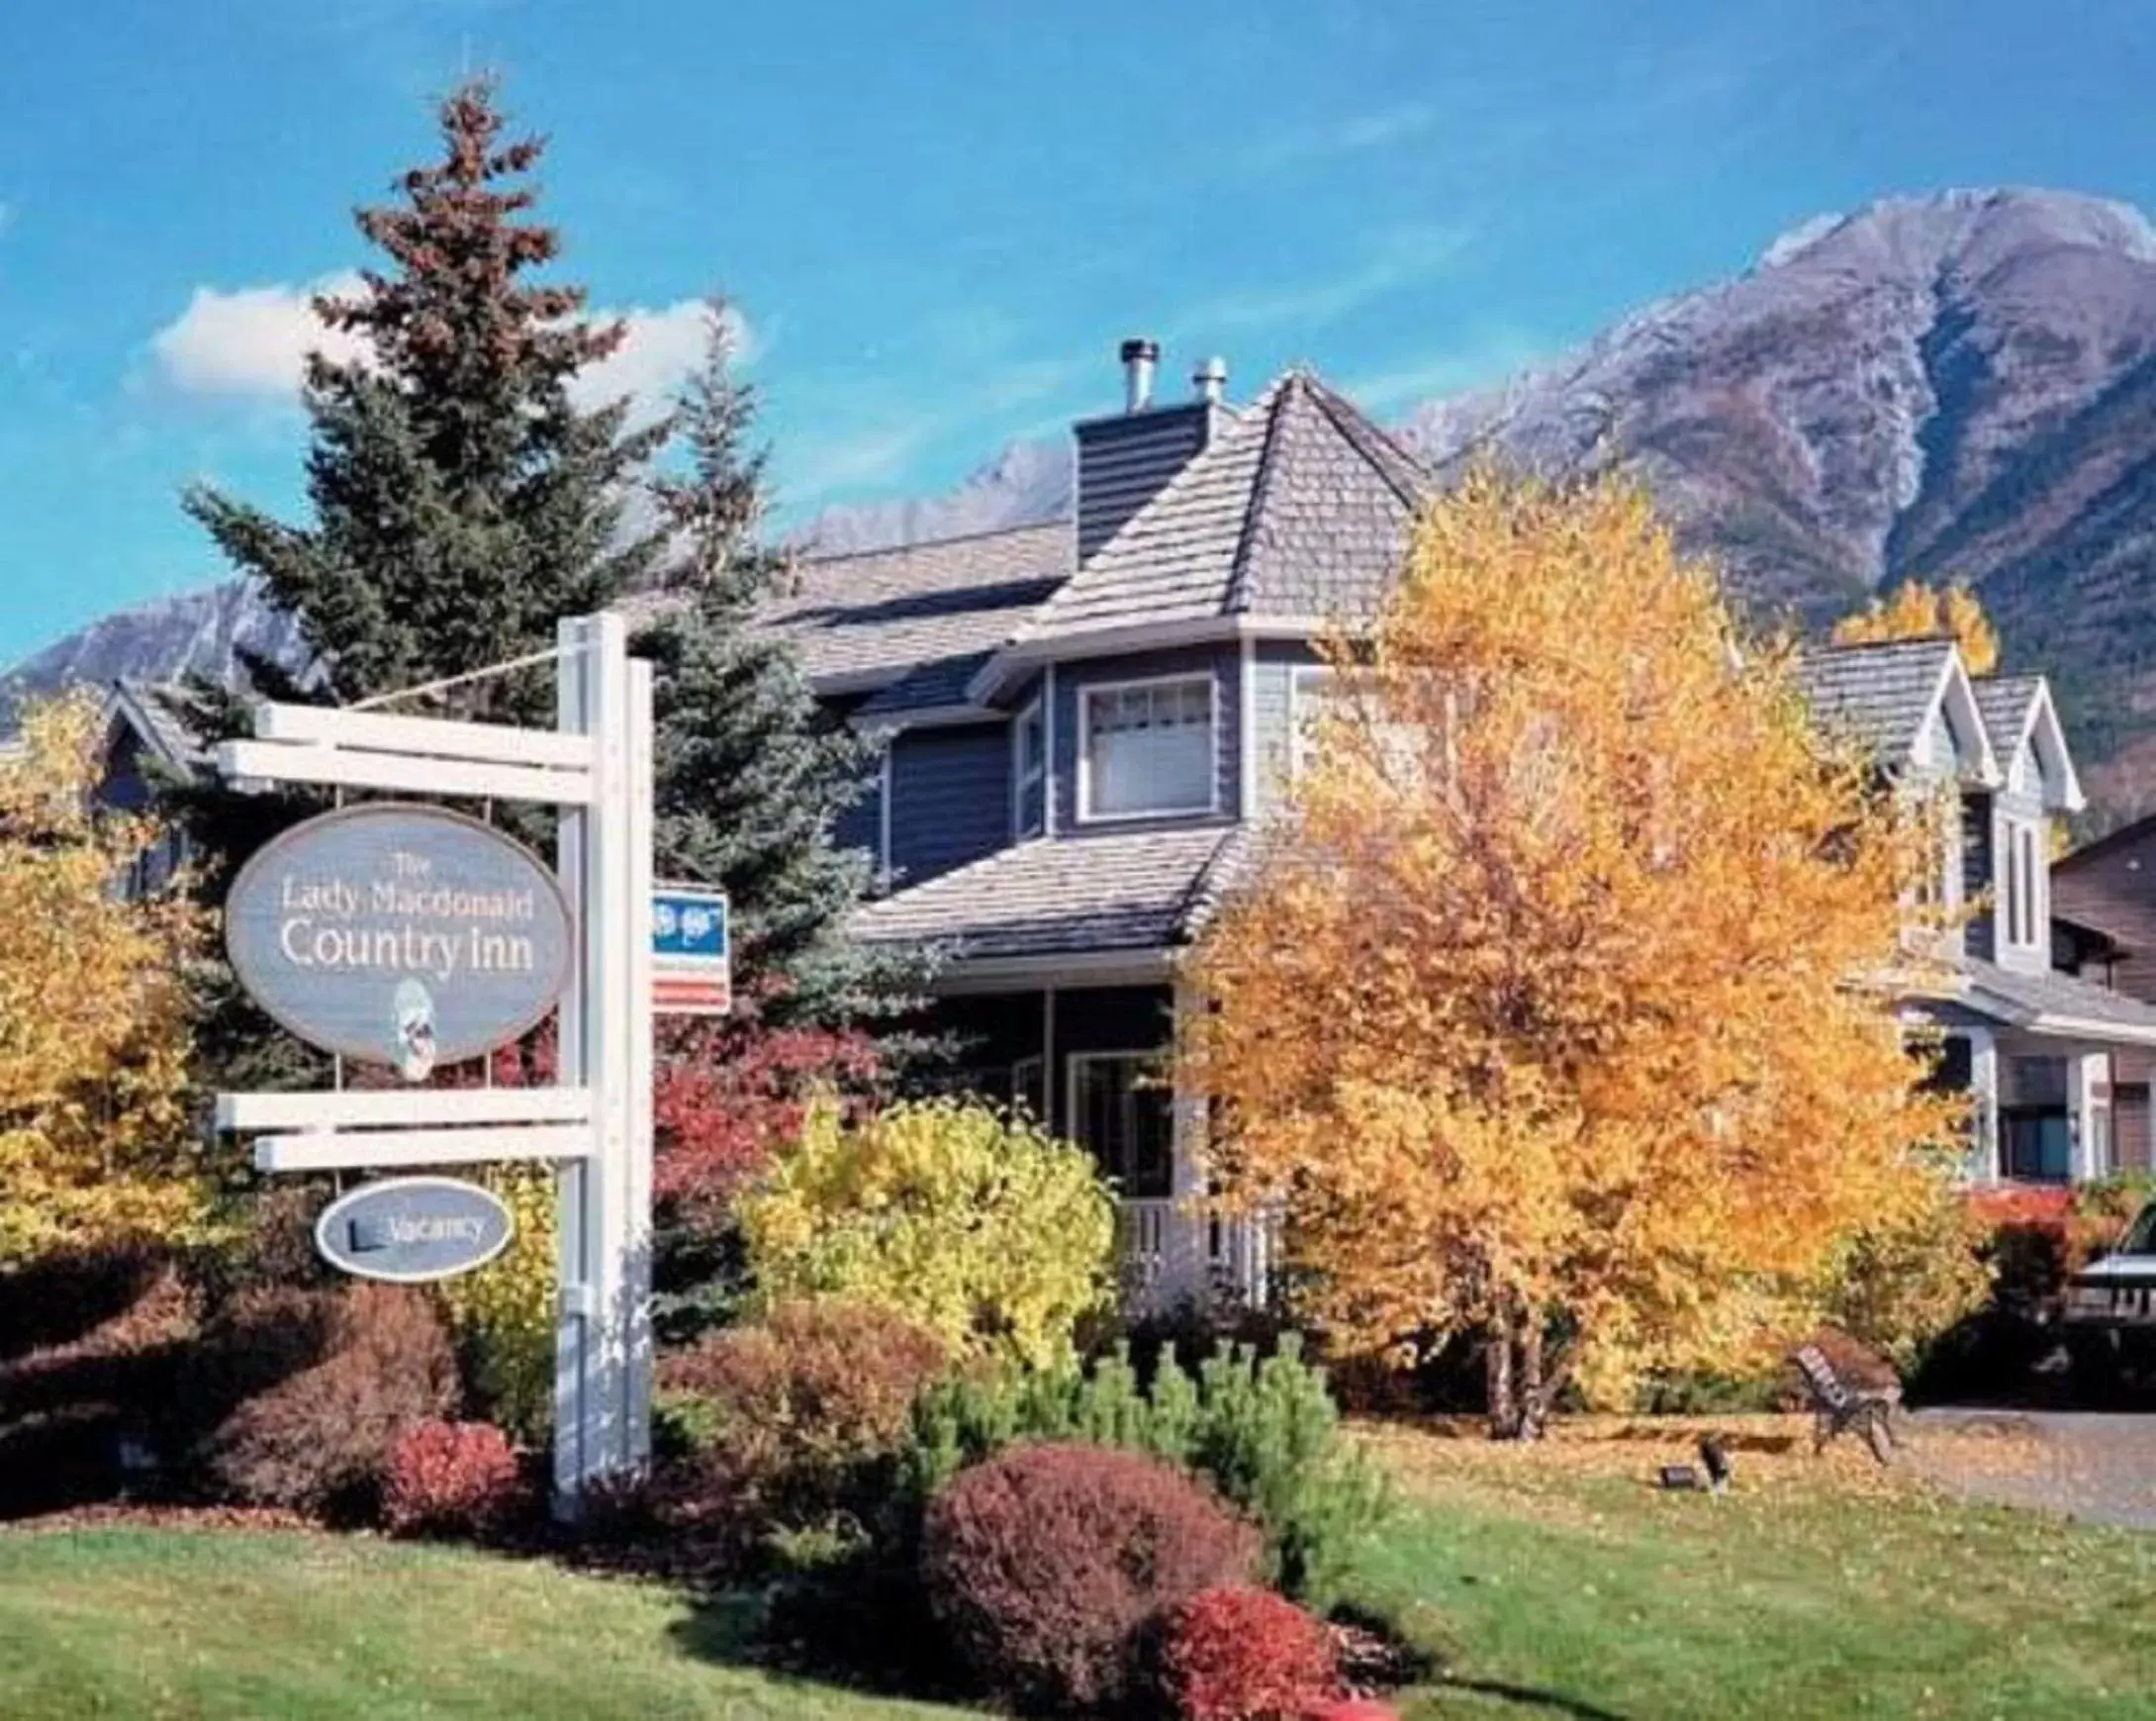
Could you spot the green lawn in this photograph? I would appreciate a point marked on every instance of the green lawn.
(224, 1625)
(1558, 1582)
(1571, 1589)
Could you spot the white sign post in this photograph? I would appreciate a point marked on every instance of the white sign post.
(596, 1123)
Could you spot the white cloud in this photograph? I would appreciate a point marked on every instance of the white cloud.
(251, 343)
(661, 348)
(1494, 359)
(1349, 135)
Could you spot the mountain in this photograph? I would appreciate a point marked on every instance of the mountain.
(196, 634)
(1958, 386)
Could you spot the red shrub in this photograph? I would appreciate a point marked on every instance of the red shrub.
(322, 1437)
(1045, 1563)
(1353, 1710)
(454, 1477)
(795, 1416)
(1237, 1653)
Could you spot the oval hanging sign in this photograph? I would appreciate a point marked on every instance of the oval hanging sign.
(399, 934)
(408, 1230)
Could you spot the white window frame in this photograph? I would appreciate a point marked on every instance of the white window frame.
(1037, 1066)
(1034, 710)
(1074, 1089)
(1086, 691)
(2027, 921)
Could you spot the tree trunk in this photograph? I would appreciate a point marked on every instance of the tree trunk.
(1534, 1399)
(1504, 1401)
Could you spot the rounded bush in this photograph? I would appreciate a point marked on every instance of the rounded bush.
(455, 1477)
(321, 1437)
(1044, 1565)
(1237, 1653)
(796, 1418)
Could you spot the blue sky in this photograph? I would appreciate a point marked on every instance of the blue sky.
(939, 217)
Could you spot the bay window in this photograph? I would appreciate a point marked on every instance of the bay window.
(1146, 748)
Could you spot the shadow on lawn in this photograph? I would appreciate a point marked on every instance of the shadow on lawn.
(1554, 1702)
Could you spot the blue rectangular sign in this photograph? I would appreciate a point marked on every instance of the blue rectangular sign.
(689, 920)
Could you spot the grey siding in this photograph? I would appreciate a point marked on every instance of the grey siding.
(1272, 714)
(950, 798)
(1222, 662)
(1125, 462)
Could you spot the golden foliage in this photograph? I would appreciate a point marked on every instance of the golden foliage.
(95, 1137)
(1543, 1018)
(504, 1314)
(1919, 612)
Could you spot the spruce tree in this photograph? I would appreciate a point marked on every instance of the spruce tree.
(461, 502)
(752, 774)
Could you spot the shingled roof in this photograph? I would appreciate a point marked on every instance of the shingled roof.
(863, 621)
(1881, 694)
(1119, 891)
(1298, 509)
(2056, 1004)
(2008, 704)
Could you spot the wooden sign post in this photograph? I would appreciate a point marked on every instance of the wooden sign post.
(419, 937)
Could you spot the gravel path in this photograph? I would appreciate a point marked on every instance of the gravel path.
(2095, 1466)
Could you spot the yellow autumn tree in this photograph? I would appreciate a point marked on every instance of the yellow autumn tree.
(1552, 1015)
(95, 1137)
(1915, 610)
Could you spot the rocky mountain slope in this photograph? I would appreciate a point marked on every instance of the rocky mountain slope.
(1953, 386)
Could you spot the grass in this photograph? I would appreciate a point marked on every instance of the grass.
(170, 1625)
(1553, 1579)
(1571, 1587)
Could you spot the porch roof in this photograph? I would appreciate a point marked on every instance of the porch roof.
(1067, 895)
(2054, 1004)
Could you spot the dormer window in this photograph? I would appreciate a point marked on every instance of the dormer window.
(1146, 748)
(2026, 919)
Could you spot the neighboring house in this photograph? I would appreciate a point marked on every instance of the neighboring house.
(2109, 890)
(2030, 1032)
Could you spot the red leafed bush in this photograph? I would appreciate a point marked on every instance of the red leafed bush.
(450, 1476)
(322, 1436)
(1237, 1653)
(795, 1416)
(1352, 1709)
(728, 1094)
(1044, 1564)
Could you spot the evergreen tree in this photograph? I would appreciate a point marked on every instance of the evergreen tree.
(461, 502)
(752, 774)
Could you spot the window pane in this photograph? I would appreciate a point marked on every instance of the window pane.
(1150, 750)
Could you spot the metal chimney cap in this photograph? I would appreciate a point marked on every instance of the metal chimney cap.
(1211, 379)
(1139, 347)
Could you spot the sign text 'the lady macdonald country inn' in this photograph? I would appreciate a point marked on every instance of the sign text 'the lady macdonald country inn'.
(399, 934)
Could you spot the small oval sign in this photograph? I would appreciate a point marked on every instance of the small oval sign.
(399, 934)
(408, 1230)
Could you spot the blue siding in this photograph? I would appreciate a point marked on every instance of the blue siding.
(1222, 662)
(950, 798)
(860, 825)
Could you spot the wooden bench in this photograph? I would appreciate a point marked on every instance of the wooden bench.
(1836, 1405)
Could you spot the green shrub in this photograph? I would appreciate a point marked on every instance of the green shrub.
(793, 1423)
(1266, 1435)
(970, 1224)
